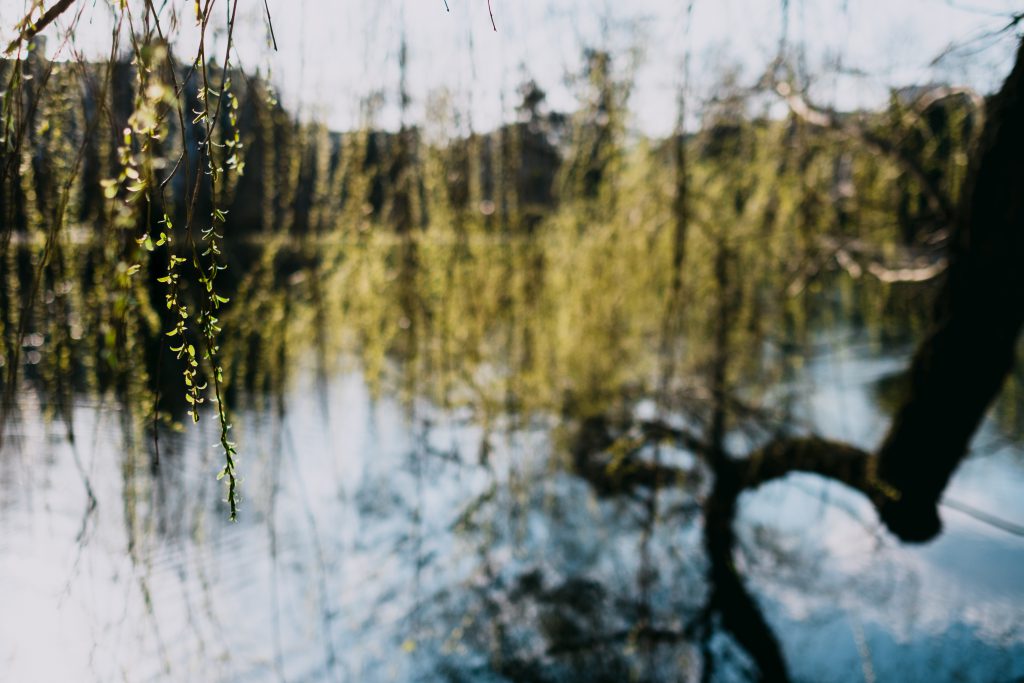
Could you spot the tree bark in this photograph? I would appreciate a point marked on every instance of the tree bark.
(959, 369)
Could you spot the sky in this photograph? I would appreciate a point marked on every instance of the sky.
(333, 53)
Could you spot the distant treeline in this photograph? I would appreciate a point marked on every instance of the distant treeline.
(302, 178)
(771, 203)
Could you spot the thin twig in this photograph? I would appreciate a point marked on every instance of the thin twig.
(270, 23)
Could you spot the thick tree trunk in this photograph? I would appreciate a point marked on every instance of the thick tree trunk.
(959, 369)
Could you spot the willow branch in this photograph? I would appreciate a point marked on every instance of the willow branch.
(31, 29)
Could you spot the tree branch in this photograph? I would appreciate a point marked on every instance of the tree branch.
(31, 29)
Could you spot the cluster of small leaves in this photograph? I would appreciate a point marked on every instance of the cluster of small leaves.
(130, 177)
(184, 351)
(233, 142)
(207, 263)
(209, 328)
(145, 127)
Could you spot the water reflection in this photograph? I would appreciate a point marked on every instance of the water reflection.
(463, 461)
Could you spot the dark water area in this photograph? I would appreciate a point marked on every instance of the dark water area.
(415, 509)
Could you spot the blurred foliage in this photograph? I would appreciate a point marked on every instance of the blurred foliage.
(527, 270)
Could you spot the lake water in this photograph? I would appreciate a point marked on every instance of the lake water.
(411, 511)
(385, 537)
